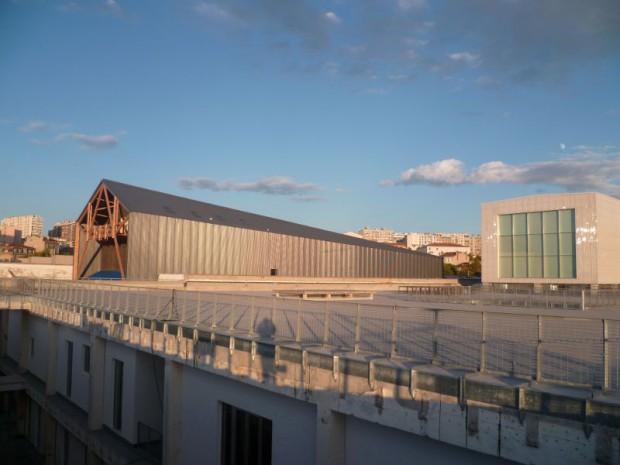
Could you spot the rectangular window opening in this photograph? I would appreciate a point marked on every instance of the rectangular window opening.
(86, 358)
(246, 437)
(117, 412)
(69, 380)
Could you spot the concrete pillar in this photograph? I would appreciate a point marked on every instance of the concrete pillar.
(4, 332)
(330, 436)
(24, 343)
(96, 383)
(173, 377)
(52, 358)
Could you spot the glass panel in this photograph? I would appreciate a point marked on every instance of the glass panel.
(550, 264)
(567, 244)
(550, 244)
(520, 267)
(534, 223)
(534, 267)
(505, 246)
(566, 220)
(567, 267)
(519, 224)
(505, 267)
(550, 222)
(535, 245)
(505, 225)
(519, 246)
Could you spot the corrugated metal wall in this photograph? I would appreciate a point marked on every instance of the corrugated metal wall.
(160, 244)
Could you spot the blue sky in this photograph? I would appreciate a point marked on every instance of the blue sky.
(339, 114)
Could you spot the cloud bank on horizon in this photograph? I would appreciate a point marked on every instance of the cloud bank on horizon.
(589, 169)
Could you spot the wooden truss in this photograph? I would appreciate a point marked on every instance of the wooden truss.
(102, 220)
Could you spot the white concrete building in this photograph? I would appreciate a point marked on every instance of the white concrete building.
(440, 249)
(416, 240)
(96, 376)
(554, 239)
(29, 225)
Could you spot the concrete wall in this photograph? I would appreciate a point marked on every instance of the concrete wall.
(38, 330)
(23, 270)
(597, 221)
(128, 356)
(80, 379)
(294, 422)
(607, 232)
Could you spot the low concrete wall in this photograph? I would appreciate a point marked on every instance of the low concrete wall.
(24, 270)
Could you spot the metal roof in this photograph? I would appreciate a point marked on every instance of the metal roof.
(141, 200)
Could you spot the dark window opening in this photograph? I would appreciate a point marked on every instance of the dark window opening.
(274, 272)
(246, 438)
(69, 380)
(86, 354)
(117, 413)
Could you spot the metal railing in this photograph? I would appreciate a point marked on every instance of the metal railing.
(568, 299)
(579, 350)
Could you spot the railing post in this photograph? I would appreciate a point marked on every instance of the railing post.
(198, 310)
(231, 322)
(273, 315)
(605, 354)
(394, 348)
(298, 324)
(251, 328)
(435, 337)
(183, 311)
(326, 325)
(358, 331)
(483, 343)
(539, 349)
(214, 324)
(583, 299)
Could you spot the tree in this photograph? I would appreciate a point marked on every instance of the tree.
(449, 269)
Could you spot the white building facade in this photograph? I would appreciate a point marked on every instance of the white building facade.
(555, 239)
(29, 225)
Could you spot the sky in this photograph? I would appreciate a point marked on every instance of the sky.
(403, 114)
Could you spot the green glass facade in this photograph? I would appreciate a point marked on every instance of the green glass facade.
(537, 245)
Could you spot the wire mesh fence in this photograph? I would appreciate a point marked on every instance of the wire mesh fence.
(569, 299)
(568, 349)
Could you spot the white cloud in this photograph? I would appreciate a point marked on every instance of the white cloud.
(589, 168)
(332, 17)
(276, 185)
(410, 4)
(107, 7)
(441, 173)
(212, 10)
(34, 126)
(90, 142)
(464, 58)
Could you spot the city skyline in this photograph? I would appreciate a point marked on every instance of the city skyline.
(406, 114)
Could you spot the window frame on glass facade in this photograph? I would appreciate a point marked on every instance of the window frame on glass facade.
(537, 244)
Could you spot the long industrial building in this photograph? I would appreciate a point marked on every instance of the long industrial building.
(141, 234)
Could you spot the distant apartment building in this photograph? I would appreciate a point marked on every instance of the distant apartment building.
(29, 225)
(380, 234)
(455, 258)
(440, 249)
(65, 231)
(417, 240)
(10, 235)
